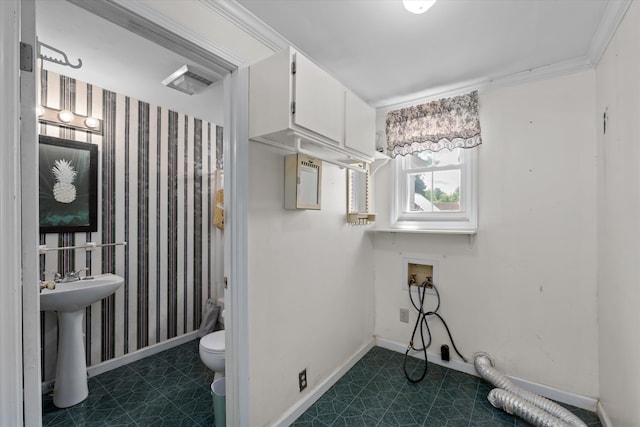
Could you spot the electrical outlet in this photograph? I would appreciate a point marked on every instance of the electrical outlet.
(302, 379)
(404, 315)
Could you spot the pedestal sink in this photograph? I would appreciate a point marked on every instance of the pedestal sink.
(69, 300)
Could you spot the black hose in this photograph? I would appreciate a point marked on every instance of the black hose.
(421, 322)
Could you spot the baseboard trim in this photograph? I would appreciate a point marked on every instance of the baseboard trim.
(604, 418)
(126, 359)
(313, 395)
(577, 400)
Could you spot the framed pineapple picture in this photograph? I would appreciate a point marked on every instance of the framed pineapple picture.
(68, 190)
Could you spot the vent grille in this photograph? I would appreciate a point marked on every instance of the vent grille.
(189, 80)
(194, 76)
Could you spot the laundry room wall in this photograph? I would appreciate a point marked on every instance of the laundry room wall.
(524, 288)
(618, 195)
(311, 286)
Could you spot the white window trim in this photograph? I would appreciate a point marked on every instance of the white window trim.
(464, 222)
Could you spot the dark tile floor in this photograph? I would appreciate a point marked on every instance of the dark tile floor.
(375, 392)
(172, 388)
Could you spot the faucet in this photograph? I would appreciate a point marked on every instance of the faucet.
(70, 276)
(413, 280)
(49, 284)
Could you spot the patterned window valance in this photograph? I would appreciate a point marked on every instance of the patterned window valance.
(446, 123)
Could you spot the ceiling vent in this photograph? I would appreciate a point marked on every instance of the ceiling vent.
(189, 80)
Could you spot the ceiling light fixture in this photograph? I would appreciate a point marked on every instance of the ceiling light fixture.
(418, 6)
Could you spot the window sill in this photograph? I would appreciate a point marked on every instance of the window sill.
(472, 231)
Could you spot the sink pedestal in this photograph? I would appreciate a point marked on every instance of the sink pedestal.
(69, 299)
(71, 385)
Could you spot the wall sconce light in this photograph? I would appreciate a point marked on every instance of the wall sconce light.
(68, 119)
(66, 116)
(91, 122)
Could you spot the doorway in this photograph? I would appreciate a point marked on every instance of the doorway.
(234, 120)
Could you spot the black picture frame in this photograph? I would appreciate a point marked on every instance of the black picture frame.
(72, 205)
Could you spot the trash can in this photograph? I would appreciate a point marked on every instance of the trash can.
(219, 391)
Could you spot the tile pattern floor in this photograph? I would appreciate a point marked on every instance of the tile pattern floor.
(172, 388)
(375, 392)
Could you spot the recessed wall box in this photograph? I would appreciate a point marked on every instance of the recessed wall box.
(416, 271)
(302, 182)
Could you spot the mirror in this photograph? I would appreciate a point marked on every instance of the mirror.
(358, 196)
(302, 182)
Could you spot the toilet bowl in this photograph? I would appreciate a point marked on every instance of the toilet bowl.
(212, 351)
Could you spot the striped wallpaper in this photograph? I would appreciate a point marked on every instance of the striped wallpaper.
(156, 183)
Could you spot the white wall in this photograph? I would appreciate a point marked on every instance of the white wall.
(310, 286)
(208, 25)
(119, 60)
(618, 94)
(524, 288)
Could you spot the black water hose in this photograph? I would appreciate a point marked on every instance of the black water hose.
(423, 325)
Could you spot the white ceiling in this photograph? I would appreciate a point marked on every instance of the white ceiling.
(375, 47)
(118, 60)
(387, 55)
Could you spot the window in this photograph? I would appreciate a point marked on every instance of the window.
(435, 165)
(436, 191)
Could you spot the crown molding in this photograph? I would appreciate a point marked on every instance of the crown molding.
(485, 84)
(615, 10)
(161, 29)
(607, 27)
(242, 18)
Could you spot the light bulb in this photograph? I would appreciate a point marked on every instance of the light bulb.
(91, 122)
(418, 6)
(65, 116)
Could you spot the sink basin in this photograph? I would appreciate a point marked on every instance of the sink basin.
(69, 300)
(76, 295)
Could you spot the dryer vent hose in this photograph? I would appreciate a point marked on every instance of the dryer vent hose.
(517, 401)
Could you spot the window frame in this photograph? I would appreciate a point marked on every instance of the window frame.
(464, 221)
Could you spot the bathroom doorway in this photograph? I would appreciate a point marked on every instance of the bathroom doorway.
(229, 115)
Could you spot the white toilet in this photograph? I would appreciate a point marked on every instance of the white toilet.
(212, 348)
(212, 351)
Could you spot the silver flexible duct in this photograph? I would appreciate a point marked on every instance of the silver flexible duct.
(484, 366)
(515, 405)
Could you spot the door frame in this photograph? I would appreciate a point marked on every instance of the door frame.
(19, 306)
(236, 185)
(17, 266)
(29, 227)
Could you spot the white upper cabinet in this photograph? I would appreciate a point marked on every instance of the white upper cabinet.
(296, 105)
(359, 129)
(319, 100)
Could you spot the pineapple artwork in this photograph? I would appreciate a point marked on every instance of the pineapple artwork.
(68, 185)
(64, 190)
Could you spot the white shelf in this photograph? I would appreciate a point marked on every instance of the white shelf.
(420, 231)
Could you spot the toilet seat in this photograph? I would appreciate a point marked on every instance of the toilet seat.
(213, 343)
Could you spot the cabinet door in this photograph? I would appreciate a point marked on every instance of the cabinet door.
(319, 100)
(360, 122)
